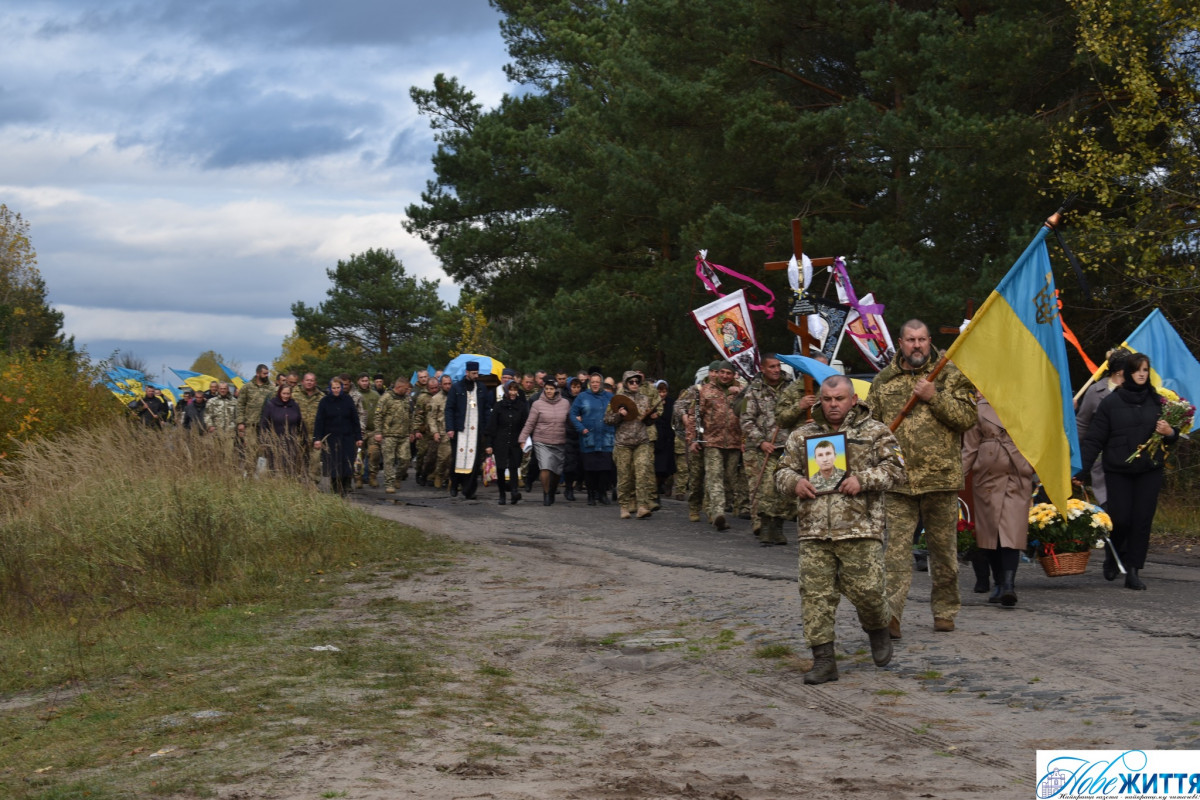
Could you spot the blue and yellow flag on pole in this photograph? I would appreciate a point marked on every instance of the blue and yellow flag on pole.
(1014, 352)
(1172, 365)
(233, 377)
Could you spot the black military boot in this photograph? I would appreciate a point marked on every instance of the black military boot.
(503, 500)
(979, 563)
(881, 646)
(569, 493)
(824, 666)
(1132, 581)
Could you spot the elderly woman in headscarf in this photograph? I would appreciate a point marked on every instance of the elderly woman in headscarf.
(503, 440)
(547, 428)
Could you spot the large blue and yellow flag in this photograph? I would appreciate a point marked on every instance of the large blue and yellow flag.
(194, 380)
(1014, 352)
(1172, 365)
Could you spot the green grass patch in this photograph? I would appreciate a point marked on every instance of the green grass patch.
(929, 675)
(774, 651)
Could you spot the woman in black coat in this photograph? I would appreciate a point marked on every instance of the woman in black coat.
(1123, 421)
(338, 432)
(501, 439)
(282, 432)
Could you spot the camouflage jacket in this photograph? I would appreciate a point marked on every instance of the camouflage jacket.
(685, 404)
(788, 413)
(251, 398)
(370, 400)
(420, 422)
(873, 457)
(435, 417)
(308, 405)
(221, 413)
(392, 416)
(357, 396)
(722, 428)
(632, 432)
(758, 419)
(931, 435)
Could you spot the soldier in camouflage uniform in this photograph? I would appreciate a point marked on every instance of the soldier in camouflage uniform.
(633, 451)
(440, 454)
(370, 400)
(250, 400)
(686, 408)
(308, 396)
(764, 441)
(393, 422)
(722, 445)
(841, 533)
(931, 440)
(791, 410)
(425, 396)
(220, 417)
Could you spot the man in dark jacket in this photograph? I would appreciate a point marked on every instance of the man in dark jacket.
(467, 409)
(151, 410)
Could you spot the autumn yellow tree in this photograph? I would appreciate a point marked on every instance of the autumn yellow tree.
(26, 321)
(296, 351)
(474, 335)
(1130, 152)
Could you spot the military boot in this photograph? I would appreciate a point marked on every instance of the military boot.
(775, 531)
(824, 666)
(881, 646)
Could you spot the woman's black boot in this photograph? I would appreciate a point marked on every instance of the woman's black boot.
(1132, 581)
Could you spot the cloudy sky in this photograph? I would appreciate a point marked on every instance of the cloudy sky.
(191, 169)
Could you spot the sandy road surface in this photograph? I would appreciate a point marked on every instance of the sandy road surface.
(587, 611)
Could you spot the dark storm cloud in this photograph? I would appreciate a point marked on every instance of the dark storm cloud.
(410, 146)
(226, 121)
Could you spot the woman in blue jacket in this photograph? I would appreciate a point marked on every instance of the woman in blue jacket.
(595, 437)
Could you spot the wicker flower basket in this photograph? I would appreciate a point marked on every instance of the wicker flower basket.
(1061, 564)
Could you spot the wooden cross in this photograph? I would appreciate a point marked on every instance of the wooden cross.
(806, 340)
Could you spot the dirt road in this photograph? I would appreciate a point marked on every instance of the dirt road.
(636, 649)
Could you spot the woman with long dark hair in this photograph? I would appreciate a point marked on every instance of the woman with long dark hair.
(337, 432)
(282, 432)
(1133, 475)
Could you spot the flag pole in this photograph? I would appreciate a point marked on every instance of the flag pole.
(1050, 223)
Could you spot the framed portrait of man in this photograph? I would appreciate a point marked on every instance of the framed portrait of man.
(827, 461)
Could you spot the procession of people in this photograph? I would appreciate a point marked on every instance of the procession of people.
(810, 457)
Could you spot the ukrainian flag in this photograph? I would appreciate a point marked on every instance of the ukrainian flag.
(1172, 365)
(1014, 352)
(233, 377)
(194, 380)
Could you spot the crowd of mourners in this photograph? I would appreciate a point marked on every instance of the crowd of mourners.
(776, 450)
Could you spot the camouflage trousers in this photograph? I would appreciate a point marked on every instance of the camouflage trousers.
(830, 569)
(438, 459)
(636, 485)
(720, 470)
(939, 513)
(397, 453)
(373, 466)
(422, 448)
(769, 503)
(695, 481)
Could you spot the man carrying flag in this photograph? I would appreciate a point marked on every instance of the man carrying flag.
(930, 436)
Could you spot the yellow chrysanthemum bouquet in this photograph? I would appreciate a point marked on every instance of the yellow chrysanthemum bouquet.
(1051, 532)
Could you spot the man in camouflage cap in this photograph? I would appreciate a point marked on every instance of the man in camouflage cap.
(931, 439)
(840, 533)
(722, 441)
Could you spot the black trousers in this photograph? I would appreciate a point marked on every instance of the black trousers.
(507, 457)
(1132, 501)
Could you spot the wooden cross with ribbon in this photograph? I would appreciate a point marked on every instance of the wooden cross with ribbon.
(801, 329)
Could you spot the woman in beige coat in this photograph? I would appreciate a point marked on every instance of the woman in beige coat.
(1002, 484)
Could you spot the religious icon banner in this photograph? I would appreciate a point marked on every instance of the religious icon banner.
(727, 324)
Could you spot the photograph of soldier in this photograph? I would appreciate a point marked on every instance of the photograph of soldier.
(823, 472)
